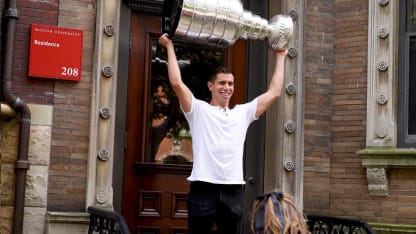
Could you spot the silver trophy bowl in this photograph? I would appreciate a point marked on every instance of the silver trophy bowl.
(221, 23)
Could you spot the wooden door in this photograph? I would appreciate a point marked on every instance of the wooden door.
(158, 156)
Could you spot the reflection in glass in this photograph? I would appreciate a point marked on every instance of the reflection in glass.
(171, 141)
(413, 16)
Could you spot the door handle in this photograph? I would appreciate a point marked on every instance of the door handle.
(251, 180)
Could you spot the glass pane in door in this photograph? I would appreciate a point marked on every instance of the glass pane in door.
(170, 138)
(412, 16)
(412, 88)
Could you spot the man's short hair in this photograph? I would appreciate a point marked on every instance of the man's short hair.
(218, 70)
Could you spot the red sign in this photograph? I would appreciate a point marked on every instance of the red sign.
(55, 52)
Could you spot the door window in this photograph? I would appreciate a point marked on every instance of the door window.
(171, 140)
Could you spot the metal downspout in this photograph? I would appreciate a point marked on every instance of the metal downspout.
(22, 163)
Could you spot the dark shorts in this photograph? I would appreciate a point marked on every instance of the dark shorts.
(215, 203)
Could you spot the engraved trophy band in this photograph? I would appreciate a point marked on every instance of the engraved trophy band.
(221, 23)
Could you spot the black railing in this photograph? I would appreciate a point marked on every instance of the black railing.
(105, 221)
(319, 224)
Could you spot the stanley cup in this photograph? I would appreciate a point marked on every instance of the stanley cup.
(221, 22)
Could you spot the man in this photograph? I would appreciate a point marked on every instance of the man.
(218, 135)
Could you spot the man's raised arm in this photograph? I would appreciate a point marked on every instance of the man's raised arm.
(183, 93)
(274, 90)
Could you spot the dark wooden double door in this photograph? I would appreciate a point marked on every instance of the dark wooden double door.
(158, 155)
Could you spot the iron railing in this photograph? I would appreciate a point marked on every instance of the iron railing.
(319, 224)
(105, 221)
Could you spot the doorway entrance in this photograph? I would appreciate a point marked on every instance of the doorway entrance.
(158, 156)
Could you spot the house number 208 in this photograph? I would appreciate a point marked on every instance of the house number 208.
(69, 71)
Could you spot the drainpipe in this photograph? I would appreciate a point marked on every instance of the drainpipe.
(22, 163)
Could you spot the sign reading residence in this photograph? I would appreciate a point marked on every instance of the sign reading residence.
(55, 52)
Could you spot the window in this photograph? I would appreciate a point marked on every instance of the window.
(406, 129)
(170, 136)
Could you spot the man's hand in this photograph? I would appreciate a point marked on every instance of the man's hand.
(281, 52)
(165, 41)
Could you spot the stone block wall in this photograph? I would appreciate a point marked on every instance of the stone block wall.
(71, 100)
(9, 142)
(58, 151)
(37, 175)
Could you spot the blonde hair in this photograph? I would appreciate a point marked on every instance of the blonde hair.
(276, 213)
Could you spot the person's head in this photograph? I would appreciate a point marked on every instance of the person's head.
(160, 92)
(276, 213)
(221, 86)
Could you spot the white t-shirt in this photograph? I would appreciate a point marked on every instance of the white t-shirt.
(218, 141)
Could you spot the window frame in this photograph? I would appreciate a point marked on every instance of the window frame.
(404, 139)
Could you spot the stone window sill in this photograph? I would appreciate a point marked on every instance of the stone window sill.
(377, 161)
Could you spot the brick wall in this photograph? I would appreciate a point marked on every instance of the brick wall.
(31, 90)
(70, 132)
(335, 120)
(349, 192)
(400, 206)
(70, 100)
(318, 79)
